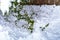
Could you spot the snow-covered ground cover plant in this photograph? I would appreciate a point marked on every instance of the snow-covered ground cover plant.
(30, 22)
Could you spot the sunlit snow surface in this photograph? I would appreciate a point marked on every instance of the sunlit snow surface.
(5, 4)
(46, 14)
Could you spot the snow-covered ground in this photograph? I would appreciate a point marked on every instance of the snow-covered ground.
(46, 14)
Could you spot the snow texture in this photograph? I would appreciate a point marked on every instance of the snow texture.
(46, 14)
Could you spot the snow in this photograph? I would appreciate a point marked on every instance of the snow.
(5, 4)
(46, 14)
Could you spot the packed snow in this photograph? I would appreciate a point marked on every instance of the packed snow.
(46, 14)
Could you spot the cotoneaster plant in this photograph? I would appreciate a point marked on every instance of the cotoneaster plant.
(16, 7)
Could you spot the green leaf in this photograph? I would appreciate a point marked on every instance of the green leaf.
(15, 10)
(15, 3)
(47, 25)
(31, 29)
